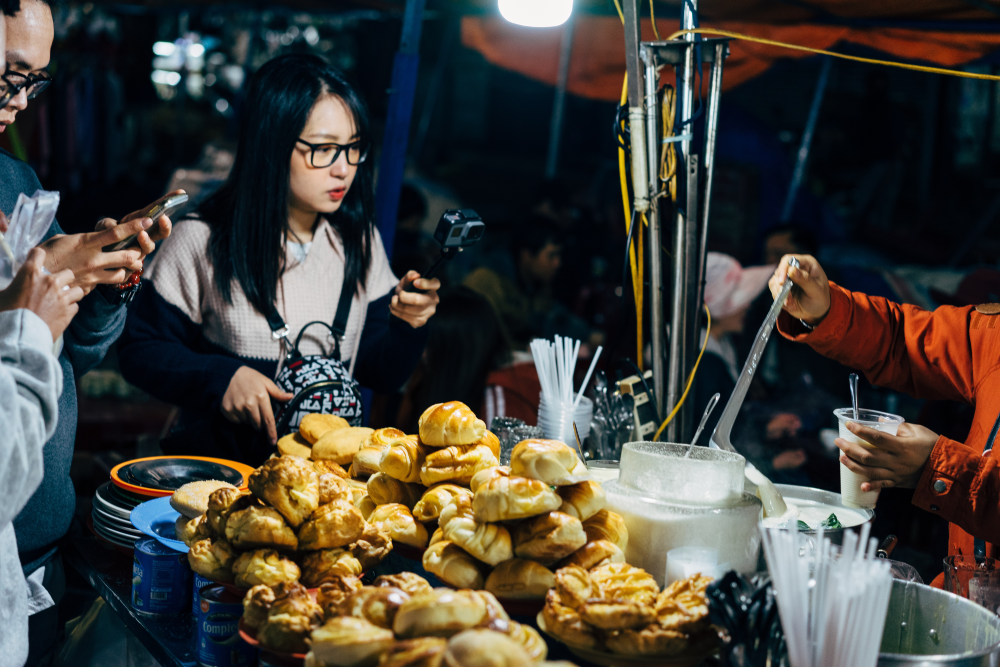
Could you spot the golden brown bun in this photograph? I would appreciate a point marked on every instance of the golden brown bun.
(372, 547)
(397, 520)
(366, 506)
(420, 652)
(264, 566)
(366, 463)
(487, 474)
(190, 531)
(212, 559)
(496, 616)
(529, 639)
(651, 640)
(220, 503)
(453, 565)
(429, 507)
(376, 605)
(508, 498)
(340, 445)
(191, 500)
(358, 488)
(550, 461)
(451, 423)
(412, 584)
(324, 467)
(346, 641)
(582, 500)
(491, 441)
(315, 426)
(594, 554)
(336, 524)
(608, 526)
(548, 538)
(292, 598)
(441, 612)
(319, 566)
(438, 536)
(488, 542)
(290, 485)
(456, 463)
(682, 606)
(256, 604)
(285, 632)
(574, 586)
(259, 527)
(621, 581)
(612, 615)
(485, 648)
(385, 490)
(403, 458)
(333, 488)
(518, 579)
(294, 444)
(334, 590)
(565, 622)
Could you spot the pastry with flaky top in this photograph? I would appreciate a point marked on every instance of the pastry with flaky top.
(594, 554)
(221, 503)
(366, 461)
(441, 612)
(340, 445)
(565, 623)
(191, 500)
(419, 652)
(358, 489)
(435, 499)
(582, 500)
(484, 648)
(373, 545)
(650, 640)
(386, 490)
(213, 559)
(412, 584)
(398, 521)
(346, 641)
(451, 423)
(403, 458)
(256, 604)
(315, 426)
(574, 586)
(285, 632)
(488, 542)
(258, 527)
(318, 566)
(487, 474)
(682, 606)
(529, 639)
(333, 525)
(294, 444)
(453, 565)
(332, 488)
(518, 579)
(608, 526)
(550, 461)
(376, 605)
(264, 566)
(290, 485)
(190, 531)
(508, 498)
(329, 467)
(621, 581)
(548, 537)
(456, 463)
(292, 598)
(612, 615)
(334, 590)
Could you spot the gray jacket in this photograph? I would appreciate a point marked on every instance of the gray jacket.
(30, 382)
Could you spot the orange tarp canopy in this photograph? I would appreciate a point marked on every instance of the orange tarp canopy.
(598, 62)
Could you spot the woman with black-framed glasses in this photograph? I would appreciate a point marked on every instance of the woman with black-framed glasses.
(292, 224)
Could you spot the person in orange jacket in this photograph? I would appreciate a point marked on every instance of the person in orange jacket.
(952, 354)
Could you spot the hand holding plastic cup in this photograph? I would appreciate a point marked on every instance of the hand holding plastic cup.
(850, 482)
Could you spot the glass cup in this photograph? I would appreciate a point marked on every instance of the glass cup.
(977, 579)
(504, 428)
(603, 470)
(850, 482)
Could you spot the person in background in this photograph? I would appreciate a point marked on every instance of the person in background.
(520, 289)
(413, 248)
(290, 230)
(47, 516)
(788, 239)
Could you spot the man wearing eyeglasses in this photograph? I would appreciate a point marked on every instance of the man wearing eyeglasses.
(101, 317)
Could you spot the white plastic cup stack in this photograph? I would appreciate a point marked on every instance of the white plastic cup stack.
(850, 482)
(557, 420)
(559, 405)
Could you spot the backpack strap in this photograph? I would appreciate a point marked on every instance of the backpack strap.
(279, 330)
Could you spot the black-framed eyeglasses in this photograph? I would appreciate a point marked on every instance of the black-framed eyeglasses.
(322, 156)
(15, 82)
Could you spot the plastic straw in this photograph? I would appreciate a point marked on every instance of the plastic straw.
(586, 378)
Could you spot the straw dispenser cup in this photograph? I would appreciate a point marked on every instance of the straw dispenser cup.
(850, 482)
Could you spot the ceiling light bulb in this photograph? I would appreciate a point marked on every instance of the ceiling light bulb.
(536, 13)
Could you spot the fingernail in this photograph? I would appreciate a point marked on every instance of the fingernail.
(147, 223)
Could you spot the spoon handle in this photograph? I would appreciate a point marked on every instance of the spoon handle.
(854, 393)
(704, 418)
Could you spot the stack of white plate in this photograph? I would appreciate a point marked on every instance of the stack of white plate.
(111, 517)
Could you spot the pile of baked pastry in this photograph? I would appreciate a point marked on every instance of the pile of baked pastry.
(298, 521)
(620, 608)
(399, 620)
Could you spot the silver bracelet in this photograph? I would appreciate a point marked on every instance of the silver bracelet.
(807, 326)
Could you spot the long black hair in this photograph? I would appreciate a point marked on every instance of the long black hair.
(249, 213)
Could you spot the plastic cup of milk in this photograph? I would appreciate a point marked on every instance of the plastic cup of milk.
(850, 482)
(683, 562)
(603, 470)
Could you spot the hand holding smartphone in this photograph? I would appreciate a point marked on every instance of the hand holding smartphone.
(161, 208)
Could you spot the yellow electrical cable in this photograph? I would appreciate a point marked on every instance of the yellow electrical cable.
(652, 18)
(687, 388)
(668, 154)
(871, 61)
(620, 14)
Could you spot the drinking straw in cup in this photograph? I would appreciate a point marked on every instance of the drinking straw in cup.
(850, 482)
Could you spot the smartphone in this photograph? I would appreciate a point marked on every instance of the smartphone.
(159, 209)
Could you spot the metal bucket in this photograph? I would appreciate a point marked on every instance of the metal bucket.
(927, 627)
(827, 498)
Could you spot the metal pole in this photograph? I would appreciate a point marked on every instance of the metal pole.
(807, 136)
(711, 135)
(555, 132)
(632, 65)
(656, 329)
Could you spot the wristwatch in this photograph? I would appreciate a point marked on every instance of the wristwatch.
(123, 293)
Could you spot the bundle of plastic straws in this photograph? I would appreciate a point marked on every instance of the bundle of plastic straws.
(555, 363)
(832, 605)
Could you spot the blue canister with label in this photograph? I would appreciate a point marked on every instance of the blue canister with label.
(200, 582)
(161, 579)
(219, 641)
